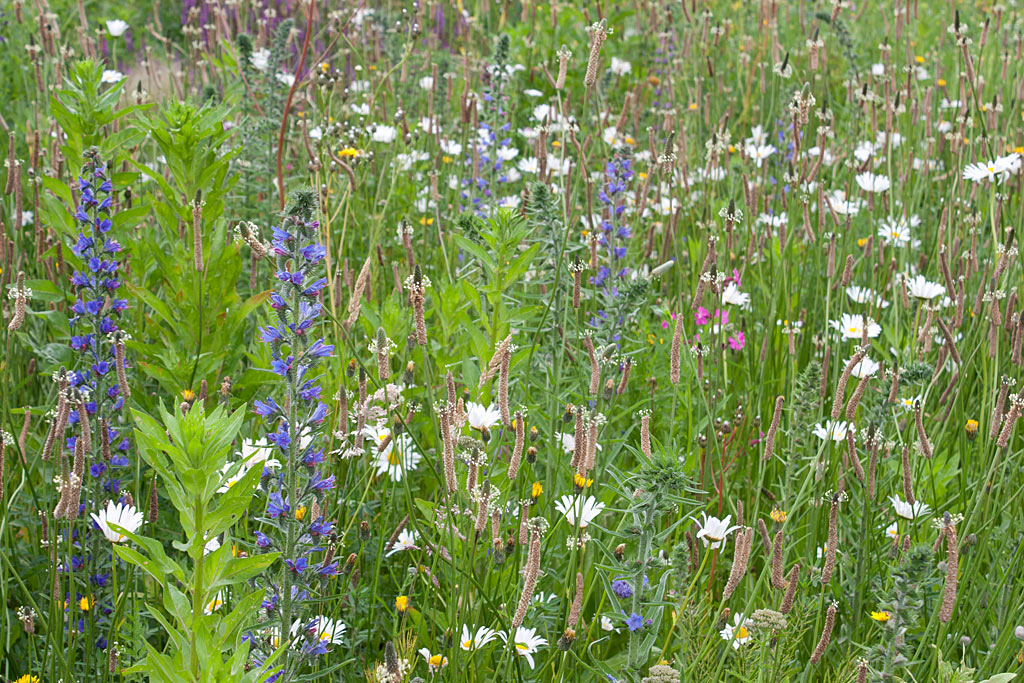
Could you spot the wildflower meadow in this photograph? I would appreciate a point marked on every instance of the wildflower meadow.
(628, 341)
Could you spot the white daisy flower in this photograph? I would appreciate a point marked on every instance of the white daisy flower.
(714, 531)
(482, 636)
(124, 516)
(737, 633)
(576, 509)
(906, 510)
(852, 325)
(832, 430)
(526, 642)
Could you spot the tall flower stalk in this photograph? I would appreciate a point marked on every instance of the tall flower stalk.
(94, 394)
(296, 492)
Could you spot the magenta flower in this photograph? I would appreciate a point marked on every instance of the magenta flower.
(702, 316)
(738, 342)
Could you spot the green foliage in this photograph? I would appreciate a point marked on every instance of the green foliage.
(190, 452)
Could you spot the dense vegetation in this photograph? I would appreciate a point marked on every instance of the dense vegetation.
(652, 341)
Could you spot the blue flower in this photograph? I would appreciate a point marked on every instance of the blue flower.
(276, 507)
(622, 588)
(266, 408)
(635, 622)
(297, 566)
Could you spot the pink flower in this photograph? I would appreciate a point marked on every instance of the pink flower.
(738, 342)
(722, 316)
(702, 316)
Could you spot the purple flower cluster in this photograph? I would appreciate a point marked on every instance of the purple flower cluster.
(296, 491)
(96, 385)
(614, 232)
(94, 327)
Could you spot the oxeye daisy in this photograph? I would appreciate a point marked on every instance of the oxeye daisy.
(713, 531)
(398, 457)
(477, 639)
(327, 631)
(406, 541)
(124, 516)
(991, 170)
(577, 511)
(526, 642)
(869, 182)
(759, 153)
(865, 368)
(851, 326)
(737, 633)
(908, 510)
(920, 288)
(836, 431)
(434, 662)
(480, 416)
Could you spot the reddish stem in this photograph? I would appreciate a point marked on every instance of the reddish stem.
(288, 103)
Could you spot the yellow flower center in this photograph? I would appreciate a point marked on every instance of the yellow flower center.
(467, 644)
(435, 660)
(742, 633)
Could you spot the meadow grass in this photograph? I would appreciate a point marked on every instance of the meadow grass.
(511, 342)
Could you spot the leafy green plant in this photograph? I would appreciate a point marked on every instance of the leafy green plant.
(189, 452)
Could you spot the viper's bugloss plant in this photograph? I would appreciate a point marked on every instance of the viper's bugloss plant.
(294, 525)
(661, 486)
(90, 405)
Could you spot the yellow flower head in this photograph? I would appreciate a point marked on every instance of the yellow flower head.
(581, 482)
(536, 490)
(402, 603)
(28, 678)
(350, 152)
(778, 516)
(188, 395)
(300, 513)
(84, 604)
(881, 616)
(971, 428)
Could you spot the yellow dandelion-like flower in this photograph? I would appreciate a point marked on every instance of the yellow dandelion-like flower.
(300, 513)
(581, 482)
(536, 490)
(778, 516)
(971, 428)
(881, 616)
(402, 603)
